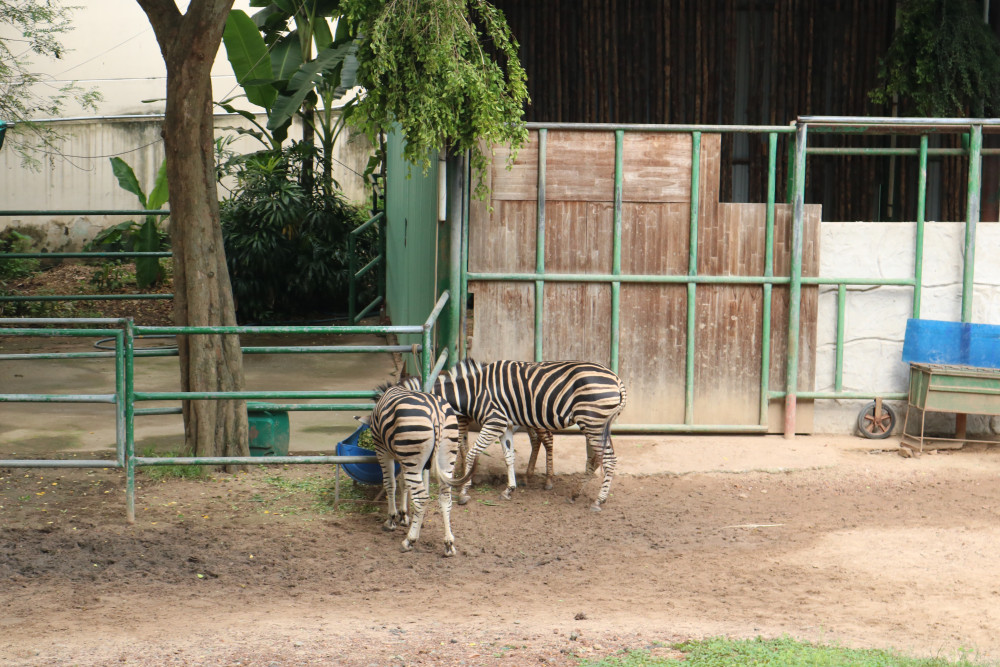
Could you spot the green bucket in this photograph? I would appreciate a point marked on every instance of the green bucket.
(269, 432)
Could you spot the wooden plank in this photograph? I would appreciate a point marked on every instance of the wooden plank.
(578, 237)
(504, 240)
(652, 318)
(503, 322)
(577, 322)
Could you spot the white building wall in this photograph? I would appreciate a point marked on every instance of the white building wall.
(875, 317)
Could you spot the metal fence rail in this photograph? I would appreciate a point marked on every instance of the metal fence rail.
(125, 398)
(794, 280)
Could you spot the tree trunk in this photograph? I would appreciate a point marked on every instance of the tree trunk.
(203, 295)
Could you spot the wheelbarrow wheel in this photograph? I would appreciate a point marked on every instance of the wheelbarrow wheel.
(879, 427)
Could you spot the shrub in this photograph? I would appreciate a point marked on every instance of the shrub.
(286, 243)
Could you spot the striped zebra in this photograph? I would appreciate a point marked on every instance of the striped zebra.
(542, 396)
(420, 431)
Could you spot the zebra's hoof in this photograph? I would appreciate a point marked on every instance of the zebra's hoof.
(389, 526)
(548, 486)
(507, 493)
(449, 549)
(463, 499)
(406, 546)
(596, 507)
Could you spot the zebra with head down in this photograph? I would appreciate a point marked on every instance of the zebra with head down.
(540, 396)
(421, 432)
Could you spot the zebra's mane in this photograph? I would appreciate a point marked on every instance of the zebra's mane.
(465, 367)
(382, 388)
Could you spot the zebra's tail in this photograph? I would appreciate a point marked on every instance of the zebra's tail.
(443, 477)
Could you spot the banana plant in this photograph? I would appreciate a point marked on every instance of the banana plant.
(275, 66)
(130, 235)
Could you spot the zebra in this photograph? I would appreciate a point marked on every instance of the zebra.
(541, 396)
(420, 431)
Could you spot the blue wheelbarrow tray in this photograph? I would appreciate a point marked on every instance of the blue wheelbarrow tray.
(362, 473)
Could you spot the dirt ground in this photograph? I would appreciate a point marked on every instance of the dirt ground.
(257, 568)
(831, 539)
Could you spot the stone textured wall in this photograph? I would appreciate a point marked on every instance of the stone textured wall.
(875, 317)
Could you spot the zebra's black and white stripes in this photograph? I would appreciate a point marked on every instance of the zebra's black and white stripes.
(420, 431)
(543, 396)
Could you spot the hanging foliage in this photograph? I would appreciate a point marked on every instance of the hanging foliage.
(445, 71)
(943, 59)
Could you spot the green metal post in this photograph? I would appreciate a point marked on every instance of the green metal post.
(616, 251)
(972, 218)
(120, 399)
(765, 349)
(918, 255)
(456, 214)
(464, 261)
(352, 287)
(692, 271)
(540, 245)
(129, 421)
(795, 286)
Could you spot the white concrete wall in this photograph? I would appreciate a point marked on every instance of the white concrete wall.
(112, 48)
(875, 317)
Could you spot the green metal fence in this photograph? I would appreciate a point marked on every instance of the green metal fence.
(795, 280)
(125, 397)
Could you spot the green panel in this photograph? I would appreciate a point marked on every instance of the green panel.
(411, 241)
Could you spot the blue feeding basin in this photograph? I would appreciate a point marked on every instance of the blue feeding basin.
(363, 473)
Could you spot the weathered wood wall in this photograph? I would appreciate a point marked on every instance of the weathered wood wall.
(579, 228)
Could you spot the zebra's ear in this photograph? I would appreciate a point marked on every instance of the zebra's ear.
(364, 419)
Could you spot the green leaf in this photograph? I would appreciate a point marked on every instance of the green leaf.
(302, 83)
(159, 195)
(248, 56)
(286, 58)
(127, 180)
(147, 269)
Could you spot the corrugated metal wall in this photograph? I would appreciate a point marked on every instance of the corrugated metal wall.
(411, 240)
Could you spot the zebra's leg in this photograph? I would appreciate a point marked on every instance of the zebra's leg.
(507, 443)
(415, 482)
(444, 499)
(609, 462)
(386, 462)
(406, 494)
(535, 439)
(593, 460)
(463, 450)
(490, 433)
(546, 438)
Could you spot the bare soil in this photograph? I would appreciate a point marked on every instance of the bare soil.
(825, 539)
(257, 568)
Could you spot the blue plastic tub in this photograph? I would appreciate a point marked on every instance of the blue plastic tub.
(363, 473)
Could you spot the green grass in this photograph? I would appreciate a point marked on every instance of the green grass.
(158, 473)
(784, 652)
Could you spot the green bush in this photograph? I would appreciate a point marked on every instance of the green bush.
(286, 243)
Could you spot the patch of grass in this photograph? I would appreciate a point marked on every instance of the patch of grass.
(783, 652)
(158, 473)
(318, 493)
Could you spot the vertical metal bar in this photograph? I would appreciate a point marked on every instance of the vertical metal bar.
(838, 383)
(765, 350)
(352, 281)
(456, 213)
(795, 283)
(120, 398)
(425, 357)
(129, 421)
(971, 218)
(692, 271)
(540, 244)
(382, 249)
(918, 255)
(616, 251)
(464, 261)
